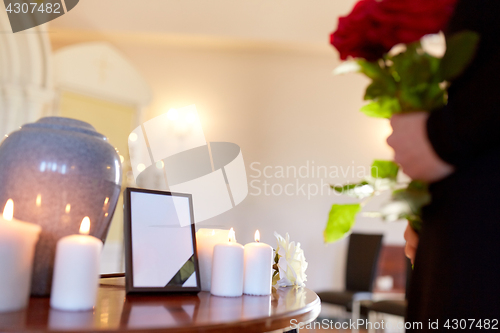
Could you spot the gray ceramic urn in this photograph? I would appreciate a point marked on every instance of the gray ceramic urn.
(57, 171)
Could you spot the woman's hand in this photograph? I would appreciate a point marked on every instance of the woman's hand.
(413, 150)
(411, 238)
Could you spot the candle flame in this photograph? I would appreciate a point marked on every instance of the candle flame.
(213, 232)
(8, 211)
(68, 208)
(85, 226)
(257, 236)
(232, 235)
(39, 200)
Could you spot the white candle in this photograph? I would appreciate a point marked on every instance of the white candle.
(17, 247)
(227, 268)
(258, 267)
(76, 271)
(205, 242)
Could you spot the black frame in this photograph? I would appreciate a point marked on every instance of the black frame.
(129, 270)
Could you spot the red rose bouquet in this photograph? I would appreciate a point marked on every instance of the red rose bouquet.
(382, 40)
(374, 27)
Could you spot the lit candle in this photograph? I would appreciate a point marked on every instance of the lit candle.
(17, 247)
(227, 268)
(258, 267)
(205, 242)
(76, 271)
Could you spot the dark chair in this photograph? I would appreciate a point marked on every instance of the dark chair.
(392, 307)
(362, 258)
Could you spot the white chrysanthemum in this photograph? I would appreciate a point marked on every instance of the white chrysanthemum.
(292, 263)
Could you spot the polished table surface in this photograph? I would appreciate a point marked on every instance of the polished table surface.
(115, 311)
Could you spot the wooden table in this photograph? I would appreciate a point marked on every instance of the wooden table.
(201, 313)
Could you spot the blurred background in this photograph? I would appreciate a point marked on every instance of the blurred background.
(260, 74)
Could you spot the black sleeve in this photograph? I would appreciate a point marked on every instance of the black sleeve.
(469, 125)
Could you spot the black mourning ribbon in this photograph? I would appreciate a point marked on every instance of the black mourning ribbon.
(183, 274)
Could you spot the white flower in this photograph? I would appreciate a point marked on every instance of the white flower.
(362, 191)
(292, 263)
(397, 49)
(381, 184)
(434, 44)
(346, 67)
(395, 210)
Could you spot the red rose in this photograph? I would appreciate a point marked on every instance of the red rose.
(375, 26)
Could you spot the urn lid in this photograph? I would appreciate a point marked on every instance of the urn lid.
(68, 124)
(60, 143)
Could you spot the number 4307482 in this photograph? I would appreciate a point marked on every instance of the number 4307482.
(33, 8)
(462, 324)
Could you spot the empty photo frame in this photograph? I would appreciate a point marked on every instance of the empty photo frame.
(160, 243)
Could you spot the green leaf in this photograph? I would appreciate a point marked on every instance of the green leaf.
(383, 107)
(276, 277)
(372, 69)
(416, 195)
(414, 67)
(418, 82)
(355, 190)
(415, 223)
(384, 169)
(434, 97)
(407, 81)
(374, 90)
(340, 221)
(460, 51)
(380, 88)
(383, 84)
(417, 185)
(341, 189)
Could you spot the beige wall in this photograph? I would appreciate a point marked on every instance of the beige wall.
(271, 20)
(283, 106)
